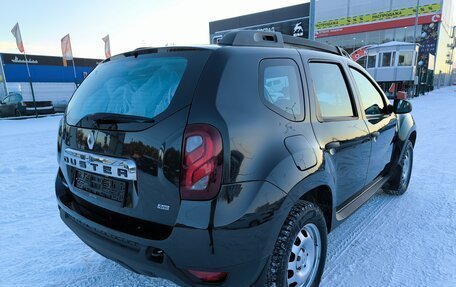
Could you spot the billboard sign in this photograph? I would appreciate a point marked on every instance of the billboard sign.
(297, 28)
(430, 13)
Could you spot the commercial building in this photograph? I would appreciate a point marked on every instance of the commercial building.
(355, 24)
(51, 80)
(292, 20)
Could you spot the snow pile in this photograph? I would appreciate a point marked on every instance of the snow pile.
(391, 241)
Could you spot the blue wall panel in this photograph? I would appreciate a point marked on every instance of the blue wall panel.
(39, 73)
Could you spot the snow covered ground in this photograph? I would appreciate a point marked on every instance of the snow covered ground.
(391, 241)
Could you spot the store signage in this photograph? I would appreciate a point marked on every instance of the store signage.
(401, 22)
(428, 44)
(297, 28)
(16, 60)
(380, 16)
(359, 53)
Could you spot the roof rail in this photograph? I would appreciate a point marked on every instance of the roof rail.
(275, 39)
(252, 38)
(290, 41)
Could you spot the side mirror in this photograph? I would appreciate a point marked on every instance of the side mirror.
(389, 109)
(402, 107)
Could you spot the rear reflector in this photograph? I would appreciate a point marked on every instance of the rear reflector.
(209, 276)
(202, 161)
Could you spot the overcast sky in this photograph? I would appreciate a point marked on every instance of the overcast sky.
(130, 23)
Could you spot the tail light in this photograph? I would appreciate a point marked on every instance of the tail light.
(202, 161)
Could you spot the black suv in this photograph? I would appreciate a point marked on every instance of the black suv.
(227, 164)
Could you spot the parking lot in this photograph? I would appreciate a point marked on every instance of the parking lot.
(390, 241)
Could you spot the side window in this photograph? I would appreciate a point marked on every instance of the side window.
(371, 59)
(371, 99)
(7, 100)
(280, 87)
(386, 59)
(331, 90)
(405, 58)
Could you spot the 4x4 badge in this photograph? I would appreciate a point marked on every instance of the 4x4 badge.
(90, 140)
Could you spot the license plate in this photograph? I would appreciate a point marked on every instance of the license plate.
(100, 185)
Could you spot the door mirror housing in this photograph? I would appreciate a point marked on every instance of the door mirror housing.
(402, 107)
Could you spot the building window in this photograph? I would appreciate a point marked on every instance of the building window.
(371, 59)
(362, 62)
(385, 59)
(405, 58)
(333, 97)
(281, 87)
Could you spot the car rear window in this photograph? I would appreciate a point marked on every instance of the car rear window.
(137, 86)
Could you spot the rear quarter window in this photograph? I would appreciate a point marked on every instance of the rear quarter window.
(281, 89)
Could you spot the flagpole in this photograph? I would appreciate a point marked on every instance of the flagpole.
(31, 85)
(75, 78)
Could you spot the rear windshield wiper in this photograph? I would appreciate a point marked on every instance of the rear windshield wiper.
(113, 119)
(109, 118)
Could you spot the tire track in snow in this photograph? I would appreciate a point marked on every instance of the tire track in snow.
(353, 228)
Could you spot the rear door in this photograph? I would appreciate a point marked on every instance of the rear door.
(124, 128)
(340, 130)
(380, 122)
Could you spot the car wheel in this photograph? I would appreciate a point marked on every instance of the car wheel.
(300, 250)
(399, 183)
(17, 113)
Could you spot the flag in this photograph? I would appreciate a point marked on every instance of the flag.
(17, 34)
(67, 54)
(107, 46)
(392, 88)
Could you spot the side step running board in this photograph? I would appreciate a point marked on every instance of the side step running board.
(364, 196)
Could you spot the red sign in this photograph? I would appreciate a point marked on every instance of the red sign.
(359, 53)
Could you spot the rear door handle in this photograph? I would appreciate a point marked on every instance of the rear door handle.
(375, 135)
(332, 147)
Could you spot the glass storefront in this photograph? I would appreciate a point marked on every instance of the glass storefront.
(351, 42)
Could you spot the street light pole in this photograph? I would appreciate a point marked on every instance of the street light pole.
(312, 20)
(416, 19)
(418, 70)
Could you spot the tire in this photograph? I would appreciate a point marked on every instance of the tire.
(17, 113)
(292, 255)
(399, 183)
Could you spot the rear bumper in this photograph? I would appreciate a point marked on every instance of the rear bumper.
(241, 248)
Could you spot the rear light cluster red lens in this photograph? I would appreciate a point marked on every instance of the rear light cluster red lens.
(202, 161)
